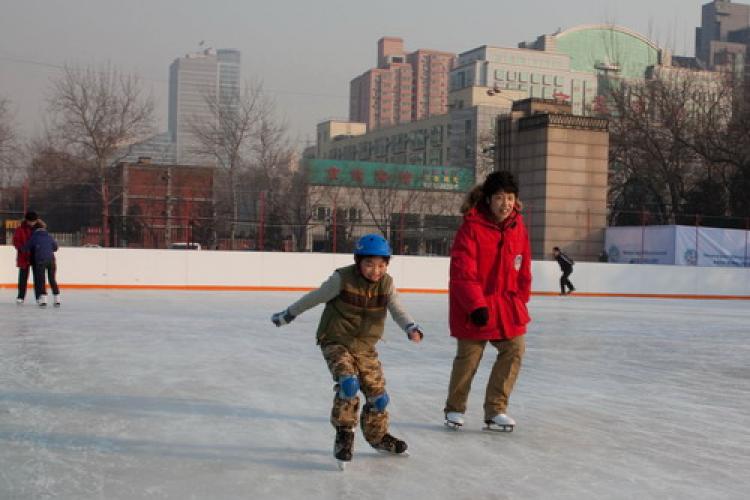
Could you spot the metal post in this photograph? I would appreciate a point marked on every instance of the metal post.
(588, 230)
(105, 214)
(697, 224)
(262, 222)
(333, 221)
(643, 234)
(25, 197)
(747, 231)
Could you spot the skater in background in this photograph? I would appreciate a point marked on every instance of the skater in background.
(357, 298)
(21, 236)
(43, 247)
(490, 284)
(566, 266)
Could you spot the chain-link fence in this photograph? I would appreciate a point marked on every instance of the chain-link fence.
(317, 230)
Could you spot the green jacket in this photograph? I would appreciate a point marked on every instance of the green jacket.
(355, 318)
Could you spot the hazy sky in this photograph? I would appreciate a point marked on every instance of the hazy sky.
(304, 51)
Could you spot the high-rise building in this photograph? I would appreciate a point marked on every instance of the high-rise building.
(723, 38)
(404, 87)
(193, 80)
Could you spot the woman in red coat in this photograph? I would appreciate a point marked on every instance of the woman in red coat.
(490, 284)
(21, 236)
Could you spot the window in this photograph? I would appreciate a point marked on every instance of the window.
(354, 215)
(322, 213)
(461, 80)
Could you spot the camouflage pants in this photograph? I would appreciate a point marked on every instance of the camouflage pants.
(366, 366)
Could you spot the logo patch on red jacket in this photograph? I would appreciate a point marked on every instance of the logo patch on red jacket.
(517, 262)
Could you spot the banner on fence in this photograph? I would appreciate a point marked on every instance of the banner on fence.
(681, 245)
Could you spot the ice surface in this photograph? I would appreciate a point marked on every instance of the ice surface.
(121, 395)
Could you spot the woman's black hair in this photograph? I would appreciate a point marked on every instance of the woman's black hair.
(494, 183)
(499, 181)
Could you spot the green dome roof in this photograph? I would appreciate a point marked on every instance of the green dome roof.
(598, 48)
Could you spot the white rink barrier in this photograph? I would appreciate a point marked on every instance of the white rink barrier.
(218, 270)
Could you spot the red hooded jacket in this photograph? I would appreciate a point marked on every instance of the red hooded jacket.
(490, 267)
(21, 235)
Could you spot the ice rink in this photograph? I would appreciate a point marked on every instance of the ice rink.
(122, 395)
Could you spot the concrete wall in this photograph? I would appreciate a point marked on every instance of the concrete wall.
(181, 269)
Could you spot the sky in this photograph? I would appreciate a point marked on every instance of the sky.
(304, 52)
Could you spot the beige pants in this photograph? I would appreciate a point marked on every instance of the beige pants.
(503, 376)
(367, 368)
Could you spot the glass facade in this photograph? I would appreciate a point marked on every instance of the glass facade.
(192, 79)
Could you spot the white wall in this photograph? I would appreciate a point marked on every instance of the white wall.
(248, 270)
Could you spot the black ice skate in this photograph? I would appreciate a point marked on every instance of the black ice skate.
(390, 444)
(342, 447)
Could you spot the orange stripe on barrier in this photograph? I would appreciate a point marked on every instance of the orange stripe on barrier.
(649, 295)
(435, 291)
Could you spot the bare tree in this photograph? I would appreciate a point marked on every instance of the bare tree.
(722, 139)
(301, 207)
(61, 186)
(96, 112)
(388, 196)
(250, 144)
(272, 163)
(651, 123)
(9, 147)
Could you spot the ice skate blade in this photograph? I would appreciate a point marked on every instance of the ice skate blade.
(393, 454)
(498, 428)
(454, 426)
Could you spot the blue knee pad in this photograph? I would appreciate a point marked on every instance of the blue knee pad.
(378, 403)
(348, 387)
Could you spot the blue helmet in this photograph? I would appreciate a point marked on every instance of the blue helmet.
(372, 245)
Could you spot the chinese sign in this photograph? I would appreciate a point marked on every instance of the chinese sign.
(389, 175)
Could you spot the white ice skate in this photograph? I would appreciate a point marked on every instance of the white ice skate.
(454, 420)
(57, 300)
(42, 301)
(19, 302)
(500, 423)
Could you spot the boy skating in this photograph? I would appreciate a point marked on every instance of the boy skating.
(357, 299)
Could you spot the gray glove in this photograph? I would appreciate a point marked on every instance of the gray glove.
(282, 318)
(414, 327)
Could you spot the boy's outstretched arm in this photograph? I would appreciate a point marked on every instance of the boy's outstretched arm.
(327, 291)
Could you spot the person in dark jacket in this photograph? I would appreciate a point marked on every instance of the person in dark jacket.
(566, 266)
(43, 247)
(358, 298)
(490, 285)
(21, 236)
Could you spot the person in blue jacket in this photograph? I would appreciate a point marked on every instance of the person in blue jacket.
(43, 247)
